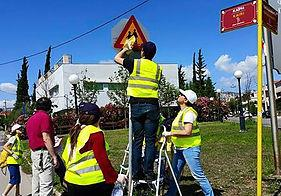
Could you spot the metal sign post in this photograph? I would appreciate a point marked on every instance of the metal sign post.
(272, 104)
(240, 16)
(130, 192)
(270, 21)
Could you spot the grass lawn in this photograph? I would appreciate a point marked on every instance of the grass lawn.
(228, 158)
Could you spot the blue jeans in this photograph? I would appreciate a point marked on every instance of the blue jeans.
(145, 121)
(191, 156)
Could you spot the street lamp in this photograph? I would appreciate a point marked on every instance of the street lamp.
(74, 79)
(219, 98)
(238, 74)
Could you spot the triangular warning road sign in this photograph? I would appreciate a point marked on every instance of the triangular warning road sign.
(131, 28)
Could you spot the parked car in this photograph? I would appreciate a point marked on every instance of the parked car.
(247, 114)
(266, 114)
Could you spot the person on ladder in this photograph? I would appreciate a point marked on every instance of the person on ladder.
(186, 138)
(143, 91)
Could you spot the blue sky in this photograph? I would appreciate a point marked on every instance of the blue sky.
(179, 28)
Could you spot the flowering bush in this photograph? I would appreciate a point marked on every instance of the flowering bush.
(114, 117)
(210, 110)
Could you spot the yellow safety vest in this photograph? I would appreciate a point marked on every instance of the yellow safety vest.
(143, 81)
(178, 124)
(82, 169)
(16, 149)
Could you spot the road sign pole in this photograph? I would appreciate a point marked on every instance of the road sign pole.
(259, 117)
(130, 192)
(271, 93)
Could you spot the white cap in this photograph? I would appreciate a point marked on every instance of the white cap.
(15, 127)
(189, 95)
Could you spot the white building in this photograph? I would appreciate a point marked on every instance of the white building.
(56, 85)
(265, 96)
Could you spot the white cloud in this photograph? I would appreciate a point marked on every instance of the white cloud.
(188, 70)
(9, 103)
(106, 61)
(8, 87)
(224, 63)
(228, 82)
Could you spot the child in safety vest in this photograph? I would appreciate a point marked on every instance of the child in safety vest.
(14, 159)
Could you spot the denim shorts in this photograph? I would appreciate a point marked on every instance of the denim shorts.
(14, 170)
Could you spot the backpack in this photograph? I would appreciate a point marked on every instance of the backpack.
(3, 161)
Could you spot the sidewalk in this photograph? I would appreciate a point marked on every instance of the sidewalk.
(25, 186)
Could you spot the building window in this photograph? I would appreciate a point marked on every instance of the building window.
(54, 91)
(114, 86)
(105, 86)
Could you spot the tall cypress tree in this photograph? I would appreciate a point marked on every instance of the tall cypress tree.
(39, 74)
(47, 63)
(200, 65)
(182, 79)
(193, 85)
(22, 88)
(209, 88)
(34, 93)
(193, 69)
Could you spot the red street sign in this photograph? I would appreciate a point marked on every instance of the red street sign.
(238, 16)
(270, 18)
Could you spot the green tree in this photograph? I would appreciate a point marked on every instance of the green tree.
(200, 83)
(233, 104)
(39, 74)
(181, 75)
(47, 63)
(194, 79)
(201, 69)
(33, 98)
(209, 88)
(87, 90)
(22, 85)
(194, 84)
(167, 92)
(118, 94)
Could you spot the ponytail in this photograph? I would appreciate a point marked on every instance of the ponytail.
(74, 133)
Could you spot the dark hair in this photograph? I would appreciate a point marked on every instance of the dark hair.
(84, 119)
(44, 103)
(149, 50)
(189, 104)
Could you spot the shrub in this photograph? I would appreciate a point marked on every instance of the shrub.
(114, 117)
(208, 110)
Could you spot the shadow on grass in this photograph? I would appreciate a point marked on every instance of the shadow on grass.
(194, 189)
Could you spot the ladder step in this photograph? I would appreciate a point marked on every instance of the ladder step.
(124, 167)
(126, 151)
(145, 182)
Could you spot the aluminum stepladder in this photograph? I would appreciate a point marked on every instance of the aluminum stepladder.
(125, 170)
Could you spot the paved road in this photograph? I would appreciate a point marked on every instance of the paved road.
(25, 179)
(265, 121)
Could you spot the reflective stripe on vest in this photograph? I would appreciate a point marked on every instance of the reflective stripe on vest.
(143, 81)
(16, 149)
(88, 169)
(189, 141)
(82, 169)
